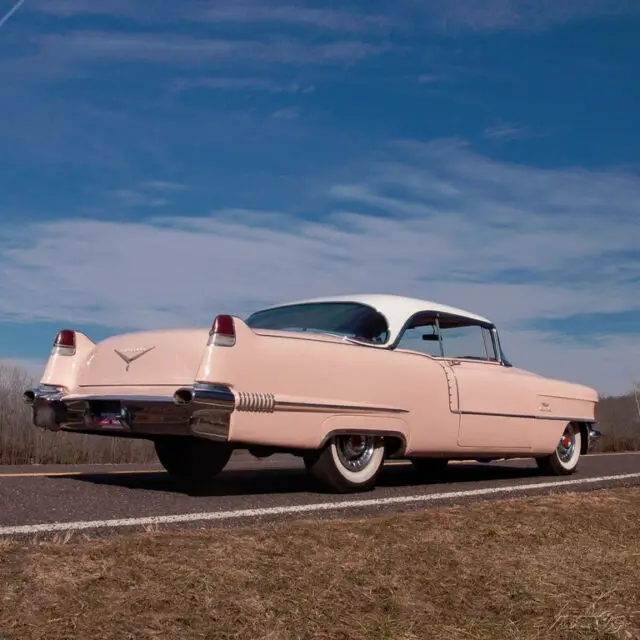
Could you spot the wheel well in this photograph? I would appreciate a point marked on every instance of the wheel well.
(393, 445)
(394, 442)
(584, 436)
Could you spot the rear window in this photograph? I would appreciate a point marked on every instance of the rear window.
(341, 318)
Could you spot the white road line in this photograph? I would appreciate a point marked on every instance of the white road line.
(302, 508)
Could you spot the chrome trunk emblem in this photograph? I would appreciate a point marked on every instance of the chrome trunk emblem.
(129, 355)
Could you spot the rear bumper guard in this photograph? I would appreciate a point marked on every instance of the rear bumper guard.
(202, 410)
(594, 436)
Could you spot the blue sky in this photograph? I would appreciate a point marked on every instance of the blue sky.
(163, 162)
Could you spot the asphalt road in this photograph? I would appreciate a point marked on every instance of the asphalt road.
(107, 498)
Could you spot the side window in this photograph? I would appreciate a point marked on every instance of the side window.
(471, 341)
(414, 339)
(458, 337)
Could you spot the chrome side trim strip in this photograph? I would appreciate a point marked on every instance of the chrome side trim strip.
(264, 402)
(526, 415)
(326, 406)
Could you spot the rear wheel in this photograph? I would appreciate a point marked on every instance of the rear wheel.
(564, 460)
(348, 463)
(192, 460)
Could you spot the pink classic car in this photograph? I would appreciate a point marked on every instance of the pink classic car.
(344, 382)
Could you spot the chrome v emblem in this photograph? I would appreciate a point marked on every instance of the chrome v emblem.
(129, 355)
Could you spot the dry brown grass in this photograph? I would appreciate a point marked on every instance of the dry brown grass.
(22, 443)
(548, 567)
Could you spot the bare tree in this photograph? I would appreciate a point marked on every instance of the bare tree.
(635, 393)
(619, 421)
(23, 443)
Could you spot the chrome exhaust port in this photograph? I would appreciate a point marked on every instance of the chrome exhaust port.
(183, 396)
(207, 395)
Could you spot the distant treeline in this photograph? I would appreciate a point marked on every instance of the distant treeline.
(619, 420)
(22, 443)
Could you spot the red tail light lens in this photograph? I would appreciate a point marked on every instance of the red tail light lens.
(223, 331)
(65, 343)
(65, 338)
(224, 325)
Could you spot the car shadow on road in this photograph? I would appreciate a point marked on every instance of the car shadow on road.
(254, 482)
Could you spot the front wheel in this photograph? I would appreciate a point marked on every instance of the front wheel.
(564, 460)
(192, 460)
(348, 463)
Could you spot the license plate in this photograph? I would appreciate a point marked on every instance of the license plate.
(108, 420)
(112, 420)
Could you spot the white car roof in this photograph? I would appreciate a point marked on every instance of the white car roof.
(396, 309)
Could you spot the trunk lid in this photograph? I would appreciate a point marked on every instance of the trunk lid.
(146, 358)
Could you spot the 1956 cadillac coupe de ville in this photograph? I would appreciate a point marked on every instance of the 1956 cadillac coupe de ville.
(344, 382)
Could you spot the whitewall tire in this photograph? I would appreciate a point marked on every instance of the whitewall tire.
(564, 460)
(348, 463)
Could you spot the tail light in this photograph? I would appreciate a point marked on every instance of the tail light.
(65, 343)
(223, 332)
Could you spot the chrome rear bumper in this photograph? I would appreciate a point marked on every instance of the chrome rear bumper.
(202, 410)
(594, 435)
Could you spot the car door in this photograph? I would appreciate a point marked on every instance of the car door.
(495, 402)
(494, 407)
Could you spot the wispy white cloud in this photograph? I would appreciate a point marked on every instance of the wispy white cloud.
(294, 14)
(286, 113)
(239, 83)
(173, 49)
(142, 135)
(493, 15)
(436, 221)
(451, 16)
(63, 8)
(240, 12)
(5, 18)
(507, 131)
(260, 33)
(164, 185)
(146, 194)
(135, 198)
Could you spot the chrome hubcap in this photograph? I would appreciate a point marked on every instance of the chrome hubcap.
(355, 451)
(567, 444)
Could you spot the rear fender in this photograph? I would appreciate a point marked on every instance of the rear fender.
(218, 353)
(62, 369)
